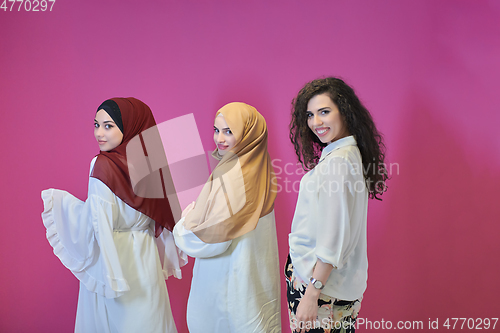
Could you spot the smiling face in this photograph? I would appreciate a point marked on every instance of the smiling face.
(107, 134)
(325, 120)
(223, 137)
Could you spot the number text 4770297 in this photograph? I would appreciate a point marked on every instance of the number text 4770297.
(27, 5)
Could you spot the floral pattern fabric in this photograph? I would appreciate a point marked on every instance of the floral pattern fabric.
(334, 315)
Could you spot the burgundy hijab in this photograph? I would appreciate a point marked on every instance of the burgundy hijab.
(112, 167)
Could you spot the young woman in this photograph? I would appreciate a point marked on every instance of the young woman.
(335, 139)
(108, 240)
(231, 232)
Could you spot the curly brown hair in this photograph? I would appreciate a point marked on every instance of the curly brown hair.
(359, 123)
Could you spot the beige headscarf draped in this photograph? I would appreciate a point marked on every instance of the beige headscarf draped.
(242, 187)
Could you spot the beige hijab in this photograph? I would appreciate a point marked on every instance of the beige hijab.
(242, 187)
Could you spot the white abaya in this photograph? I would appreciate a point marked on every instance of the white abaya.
(110, 247)
(236, 284)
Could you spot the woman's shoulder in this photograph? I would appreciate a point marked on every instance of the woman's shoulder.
(97, 187)
(350, 154)
(341, 162)
(100, 162)
(92, 163)
(99, 190)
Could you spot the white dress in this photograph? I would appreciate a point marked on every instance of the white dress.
(236, 284)
(110, 247)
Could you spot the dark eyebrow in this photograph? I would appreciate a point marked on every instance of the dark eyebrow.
(322, 109)
(227, 128)
(105, 122)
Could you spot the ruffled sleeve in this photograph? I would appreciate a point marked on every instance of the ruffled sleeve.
(73, 242)
(81, 234)
(171, 257)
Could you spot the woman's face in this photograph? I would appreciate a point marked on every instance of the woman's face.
(223, 137)
(107, 134)
(324, 119)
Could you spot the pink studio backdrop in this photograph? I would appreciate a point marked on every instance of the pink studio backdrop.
(428, 71)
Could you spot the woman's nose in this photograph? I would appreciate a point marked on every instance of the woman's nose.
(98, 132)
(220, 137)
(316, 121)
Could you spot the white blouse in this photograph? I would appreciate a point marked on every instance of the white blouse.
(330, 221)
(236, 284)
(110, 247)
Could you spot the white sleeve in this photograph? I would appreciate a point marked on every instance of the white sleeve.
(171, 257)
(69, 229)
(188, 242)
(81, 234)
(332, 215)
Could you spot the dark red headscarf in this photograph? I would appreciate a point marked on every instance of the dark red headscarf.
(112, 167)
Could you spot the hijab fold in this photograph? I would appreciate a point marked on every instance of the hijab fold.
(112, 167)
(242, 187)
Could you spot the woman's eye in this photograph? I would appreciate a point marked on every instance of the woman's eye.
(229, 132)
(325, 112)
(96, 125)
(309, 115)
(108, 126)
(216, 130)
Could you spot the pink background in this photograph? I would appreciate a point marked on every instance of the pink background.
(427, 70)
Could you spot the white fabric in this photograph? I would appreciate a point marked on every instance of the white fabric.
(330, 221)
(110, 248)
(235, 286)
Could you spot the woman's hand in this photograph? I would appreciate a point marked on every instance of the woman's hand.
(189, 208)
(307, 311)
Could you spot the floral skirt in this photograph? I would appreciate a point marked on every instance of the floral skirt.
(334, 315)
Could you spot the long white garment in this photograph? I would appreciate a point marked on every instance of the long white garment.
(110, 247)
(236, 284)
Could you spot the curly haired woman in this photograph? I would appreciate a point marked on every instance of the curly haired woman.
(336, 140)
